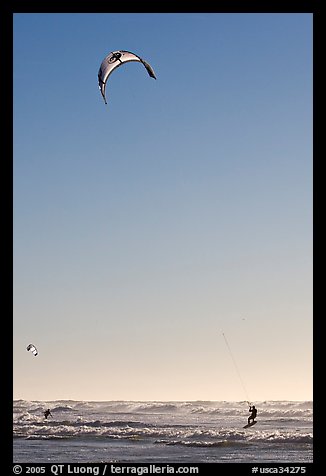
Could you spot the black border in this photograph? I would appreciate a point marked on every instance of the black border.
(7, 10)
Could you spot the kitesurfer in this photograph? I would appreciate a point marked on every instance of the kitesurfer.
(47, 413)
(253, 415)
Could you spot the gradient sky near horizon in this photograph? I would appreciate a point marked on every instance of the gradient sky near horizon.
(182, 210)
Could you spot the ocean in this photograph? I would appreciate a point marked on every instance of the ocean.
(161, 432)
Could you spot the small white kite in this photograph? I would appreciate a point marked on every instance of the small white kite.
(32, 348)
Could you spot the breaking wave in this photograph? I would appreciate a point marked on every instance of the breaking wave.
(190, 424)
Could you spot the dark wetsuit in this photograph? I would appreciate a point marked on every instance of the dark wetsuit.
(47, 413)
(253, 415)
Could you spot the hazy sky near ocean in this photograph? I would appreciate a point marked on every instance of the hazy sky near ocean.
(182, 210)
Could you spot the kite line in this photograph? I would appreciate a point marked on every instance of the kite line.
(237, 369)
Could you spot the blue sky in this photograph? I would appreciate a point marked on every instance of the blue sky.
(183, 209)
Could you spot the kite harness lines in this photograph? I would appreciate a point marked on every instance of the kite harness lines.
(237, 370)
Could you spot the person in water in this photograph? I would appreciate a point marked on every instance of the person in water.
(47, 413)
(253, 415)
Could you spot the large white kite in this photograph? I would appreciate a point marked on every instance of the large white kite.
(115, 59)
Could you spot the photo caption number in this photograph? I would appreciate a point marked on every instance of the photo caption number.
(292, 469)
(35, 469)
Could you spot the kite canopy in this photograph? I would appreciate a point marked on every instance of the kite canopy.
(115, 59)
(32, 348)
